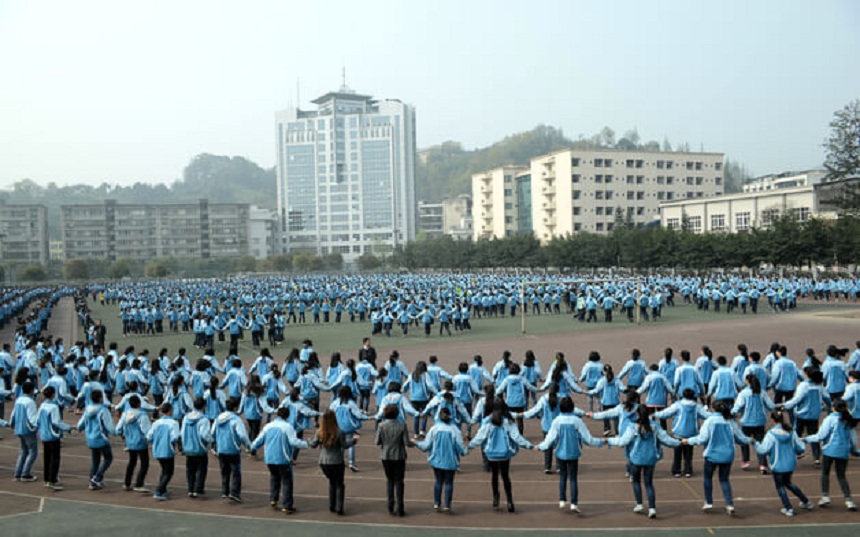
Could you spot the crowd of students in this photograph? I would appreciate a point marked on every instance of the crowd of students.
(164, 406)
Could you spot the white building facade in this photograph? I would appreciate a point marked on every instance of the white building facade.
(346, 175)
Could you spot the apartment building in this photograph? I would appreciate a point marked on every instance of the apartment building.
(741, 212)
(495, 206)
(23, 234)
(141, 231)
(457, 216)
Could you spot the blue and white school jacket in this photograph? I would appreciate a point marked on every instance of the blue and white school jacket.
(686, 377)
(514, 389)
(444, 446)
(719, 437)
(838, 441)
(809, 401)
(163, 436)
(609, 392)
(658, 389)
(499, 442)
(851, 397)
(24, 420)
(781, 449)
(97, 426)
(644, 450)
(349, 416)
(229, 433)
(685, 416)
(133, 426)
(279, 439)
(51, 426)
(543, 410)
(752, 408)
(567, 434)
(195, 434)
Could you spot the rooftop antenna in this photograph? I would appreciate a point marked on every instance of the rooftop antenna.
(298, 97)
(343, 87)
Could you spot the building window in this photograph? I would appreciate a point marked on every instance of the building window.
(661, 180)
(639, 163)
(669, 164)
(673, 223)
(718, 222)
(598, 163)
(670, 180)
(576, 194)
(640, 195)
(689, 180)
(607, 162)
(577, 227)
(801, 213)
(630, 163)
(598, 178)
(661, 164)
(742, 221)
(718, 166)
(509, 192)
(718, 181)
(576, 211)
(598, 195)
(609, 194)
(661, 195)
(607, 179)
(575, 178)
(640, 211)
(689, 165)
(640, 179)
(574, 161)
(698, 165)
(599, 226)
(695, 224)
(598, 210)
(629, 179)
(768, 216)
(630, 194)
(699, 181)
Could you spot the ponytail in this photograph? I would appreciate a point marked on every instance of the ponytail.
(844, 414)
(644, 416)
(778, 416)
(755, 384)
(607, 372)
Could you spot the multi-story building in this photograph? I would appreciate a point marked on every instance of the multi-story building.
(141, 232)
(346, 175)
(23, 234)
(494, 209)
(573, 190)
(784, 180)
(457, 216)
(744, 211)
(431, 219)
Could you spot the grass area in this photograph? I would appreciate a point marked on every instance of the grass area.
(345, 336)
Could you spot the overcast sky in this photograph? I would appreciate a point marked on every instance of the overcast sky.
(122, 91)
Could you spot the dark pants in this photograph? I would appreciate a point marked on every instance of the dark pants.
(395, 472)
(568, 471)
(444, 479)
(281, 484)
(134, 456)
(806, 428)
(723, 471)
(503, 468)
(51, 461)
(100, 462)
(782, 482)
(637, 474)
(336, 487)
(196, 467)
(253, 431)
(231, 475)
(756, 433)
(841, 465)
(168, 466)
(685, 454)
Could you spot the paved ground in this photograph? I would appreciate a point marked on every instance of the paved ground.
(605, 495)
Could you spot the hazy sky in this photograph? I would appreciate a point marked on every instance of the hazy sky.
(122, 91)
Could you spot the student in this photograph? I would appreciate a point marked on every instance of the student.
(835, 373)
(724, 384)
(498, 437)
(753, 406)
(566, 435)
(809, 402)
(838, 441)
(851, 393)
(514, 388)
(177, 396)
(51, 429)
(718, 434)
(531, 371)
(196, 440)
(215, 400)
(25, 423)
(230, 437)
(349, 418)
(635, 368)
(280, 441)
(253, 405)
(686, 414)
(781, 446)
(163, 435)
(332, 443)
(420, 388)
(444, 445)
(705, 369)
(98, 427)
(687, 377)
(643, 443)
(133, 426)
(784, 376)
(657, 387)
(547, 409)
(392, 437)
(609, 389)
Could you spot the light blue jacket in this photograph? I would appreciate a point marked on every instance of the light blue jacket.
(851, 397)
(835, 374)
(98, 426)
(51, 426)
(500, 442)
(625, 418)
(163, 436)
(514, 389)
(397, 399)
(784, 375)
(24, 420)
(686, 376)
(567, 434)
(195, 434)
(838, 441)
(133, 426)
(543, 410)
(644, 450)
(810, 400)
(658, 389)
(349, 416)
(719, 437)
(609, 392)
(636, 369)
(781, 448)
(279, 439)
(724, 384)
(229, 433)
(686, 415)
(752, 408)
(444, 445)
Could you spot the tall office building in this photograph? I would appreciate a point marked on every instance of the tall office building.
(346, 175)
(23, 234)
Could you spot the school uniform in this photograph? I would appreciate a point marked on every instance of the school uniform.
(196, 437)
(133, 426)
(163, 436)
(444, 446)
(279, 441)
(566, 435)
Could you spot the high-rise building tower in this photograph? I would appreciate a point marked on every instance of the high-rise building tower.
(346, 175)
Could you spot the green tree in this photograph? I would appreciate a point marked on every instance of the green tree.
(333, 261)
(367, 262)
(302, 261)
(280, 263)
(157, 268)
(76, 269)
(842, 147)
(246, 263)
(32, 273)
(120, 268)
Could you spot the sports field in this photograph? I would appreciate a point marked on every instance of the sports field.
(605, 495)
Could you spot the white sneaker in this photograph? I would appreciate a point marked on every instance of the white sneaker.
(561, 504)
(824, 501)
(808, 506)
(707, 507)
(652, 513)
(574, 508)
(638, 508)
(850, 505)
(787, 512)
(730, 510)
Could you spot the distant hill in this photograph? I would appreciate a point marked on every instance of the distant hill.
(446, 170)
(220, 179)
